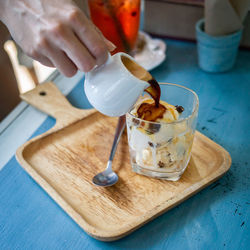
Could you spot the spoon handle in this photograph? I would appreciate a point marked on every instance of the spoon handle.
(118, 132)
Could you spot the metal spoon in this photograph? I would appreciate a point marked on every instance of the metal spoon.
(108, 177)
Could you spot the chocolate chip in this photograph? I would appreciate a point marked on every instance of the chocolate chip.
(179, 109)
(150, 144)
(154, 127)
(135, 121)
(161, 164)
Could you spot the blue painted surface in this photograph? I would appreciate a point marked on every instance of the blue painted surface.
(215, 218)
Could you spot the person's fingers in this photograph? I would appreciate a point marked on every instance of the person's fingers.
(89, 36)
(61, 61)
(108, 43)
(45, 61)
(65, 39)
(40, 58)
(52, 56)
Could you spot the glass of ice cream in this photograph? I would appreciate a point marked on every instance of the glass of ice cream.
(161, 147)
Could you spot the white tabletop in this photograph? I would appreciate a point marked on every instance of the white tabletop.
(19, 119)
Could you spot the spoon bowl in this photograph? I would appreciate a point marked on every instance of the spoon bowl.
(108, 177)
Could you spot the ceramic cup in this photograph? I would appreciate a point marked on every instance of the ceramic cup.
(111, 88)
(216, 53)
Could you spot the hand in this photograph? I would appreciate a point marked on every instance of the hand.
(56, 33)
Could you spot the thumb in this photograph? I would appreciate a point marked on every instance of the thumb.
(109, 44)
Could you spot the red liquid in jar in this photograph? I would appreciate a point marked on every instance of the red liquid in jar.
(118, 20)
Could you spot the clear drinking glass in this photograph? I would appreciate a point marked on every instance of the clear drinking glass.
(160, 149)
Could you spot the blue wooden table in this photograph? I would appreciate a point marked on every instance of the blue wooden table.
(215, 218)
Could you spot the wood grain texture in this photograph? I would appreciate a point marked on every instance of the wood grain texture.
(64, 160)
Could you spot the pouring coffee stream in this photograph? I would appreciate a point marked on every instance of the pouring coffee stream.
(147, 111)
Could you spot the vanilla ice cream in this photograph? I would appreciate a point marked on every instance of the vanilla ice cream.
(161, 144)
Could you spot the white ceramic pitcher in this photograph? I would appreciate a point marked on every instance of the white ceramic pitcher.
(114, 87)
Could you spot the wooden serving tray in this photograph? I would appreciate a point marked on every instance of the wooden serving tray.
(65, 158)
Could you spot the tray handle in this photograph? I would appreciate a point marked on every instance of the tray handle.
(49, 99)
